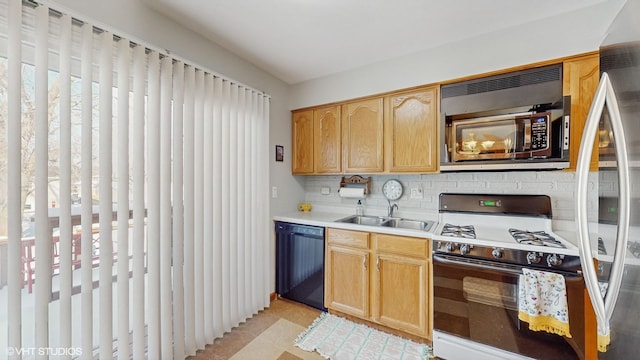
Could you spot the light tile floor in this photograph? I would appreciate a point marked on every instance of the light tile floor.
(239, 337)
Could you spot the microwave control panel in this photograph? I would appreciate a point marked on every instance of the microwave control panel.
(539, 133)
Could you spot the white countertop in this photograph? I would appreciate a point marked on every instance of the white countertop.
(328, 219)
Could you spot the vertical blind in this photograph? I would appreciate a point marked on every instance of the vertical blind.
(135, 206)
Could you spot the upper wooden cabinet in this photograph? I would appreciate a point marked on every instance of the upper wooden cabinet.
(411, 131)
(302, 142)
(362, 136)
(327, 140)
(580, 81)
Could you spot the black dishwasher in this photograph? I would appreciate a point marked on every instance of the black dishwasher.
(300, 263)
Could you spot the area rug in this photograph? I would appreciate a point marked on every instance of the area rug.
(337, 338)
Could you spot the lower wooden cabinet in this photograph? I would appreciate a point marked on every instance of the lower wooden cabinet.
(381, 278)
(347, 282)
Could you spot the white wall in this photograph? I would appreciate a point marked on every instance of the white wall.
(137, 21)
(559, 185)
(567, 34)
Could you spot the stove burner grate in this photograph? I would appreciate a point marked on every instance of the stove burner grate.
(634, 248)
(535, 238)
(461, 231)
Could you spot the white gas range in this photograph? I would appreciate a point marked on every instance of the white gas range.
(480, 246)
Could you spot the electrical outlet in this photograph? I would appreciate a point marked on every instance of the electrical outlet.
(416, 193)
(274, 192)
(325, 190)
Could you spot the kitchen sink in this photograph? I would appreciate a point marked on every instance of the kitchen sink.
(387, 222)
(408, 224)
(364, 220)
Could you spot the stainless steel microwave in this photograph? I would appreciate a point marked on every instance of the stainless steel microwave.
(516, 141)
(515, 121)
(512, 136)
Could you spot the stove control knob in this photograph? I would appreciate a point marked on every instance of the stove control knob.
(450, 247)
(465, 249)
(533, 258)
(497, 253)
(554, 260)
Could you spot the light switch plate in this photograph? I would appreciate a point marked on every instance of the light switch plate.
(325, 190)
(416, 193)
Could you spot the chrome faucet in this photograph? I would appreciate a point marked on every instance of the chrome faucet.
(391, 208)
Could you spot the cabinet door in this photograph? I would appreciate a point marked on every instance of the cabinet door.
(362, 136)
(327, 140)
(347, 280)
(411, 131)
(580, 80)
(400, 293)
(302, 142)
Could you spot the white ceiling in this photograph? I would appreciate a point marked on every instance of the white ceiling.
(298, 40)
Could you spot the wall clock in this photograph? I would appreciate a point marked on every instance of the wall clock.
(392, 189)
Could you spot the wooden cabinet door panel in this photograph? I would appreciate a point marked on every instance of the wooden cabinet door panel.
(327, 140)
(580, 80)
(362, 136)
(412, 131)
(400, 298)
(302, 142)
(347, 280)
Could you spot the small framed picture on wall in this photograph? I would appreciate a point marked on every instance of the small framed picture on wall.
(279, 153)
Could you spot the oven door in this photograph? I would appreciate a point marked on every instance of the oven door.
(477, 301)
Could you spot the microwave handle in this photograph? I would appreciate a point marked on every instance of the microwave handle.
(527, 134)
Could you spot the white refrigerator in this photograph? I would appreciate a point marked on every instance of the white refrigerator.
(614, 239)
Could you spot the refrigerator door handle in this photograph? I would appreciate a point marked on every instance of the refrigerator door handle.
(602, 307)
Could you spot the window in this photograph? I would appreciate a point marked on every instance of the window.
(137, 183)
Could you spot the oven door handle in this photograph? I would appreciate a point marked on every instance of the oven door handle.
(503, 267)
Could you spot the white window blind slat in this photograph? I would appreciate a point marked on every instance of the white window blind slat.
(199, 209)
(166, 307)
(262, 220)
(217, 210)
(246, 207)
(139, 206)
(189, 203)
(86, 170)
(122, 175)
(66, 236)
(226, 206)
(153, 205)
(106, 195)
(208, 208)
(242, 289)
(178, 213)
(43, 236)
(14, 176)
(233, 205)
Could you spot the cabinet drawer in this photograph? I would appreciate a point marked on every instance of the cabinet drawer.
(351, 238)
(402, 245)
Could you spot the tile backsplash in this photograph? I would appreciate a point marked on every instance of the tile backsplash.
(559, 185)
